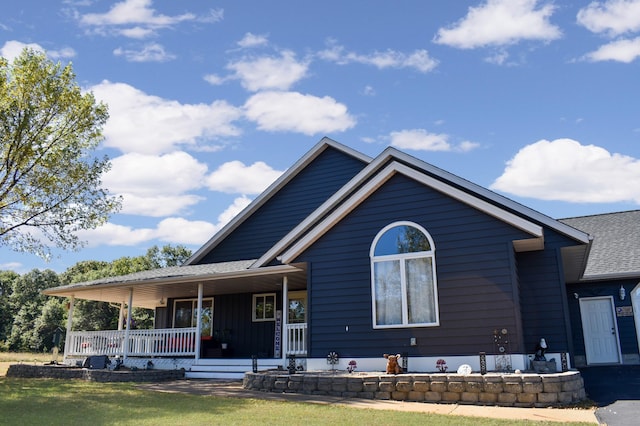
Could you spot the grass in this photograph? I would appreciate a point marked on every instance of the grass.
(71, 402)
(26, 357)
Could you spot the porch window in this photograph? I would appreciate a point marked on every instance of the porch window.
(184, 314)
(403, 277)
(264, 307)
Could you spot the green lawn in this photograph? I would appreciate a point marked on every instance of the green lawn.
(75, 402)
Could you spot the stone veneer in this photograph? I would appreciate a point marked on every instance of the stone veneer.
(513, 390)
(104, 375)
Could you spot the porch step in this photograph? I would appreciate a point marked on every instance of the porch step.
(227, 368)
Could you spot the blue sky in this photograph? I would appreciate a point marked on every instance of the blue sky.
(210, 101)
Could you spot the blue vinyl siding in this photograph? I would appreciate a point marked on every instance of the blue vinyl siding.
(310, 188)
(474, 271)
(542, 293)
(626, 325)
(234, 312)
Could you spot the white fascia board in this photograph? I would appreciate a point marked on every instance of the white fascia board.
(375, 183)
(261, 199)
(562, 228)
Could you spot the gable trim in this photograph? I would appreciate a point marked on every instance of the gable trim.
(273, 189)
(374, 184)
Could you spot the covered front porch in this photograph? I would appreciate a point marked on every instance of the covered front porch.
(216, 314)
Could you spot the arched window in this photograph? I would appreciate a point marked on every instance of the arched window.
(403, 277)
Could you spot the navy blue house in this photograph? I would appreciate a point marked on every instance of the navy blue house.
(347, 257)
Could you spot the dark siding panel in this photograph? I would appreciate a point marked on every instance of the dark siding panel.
(542, 295)
(474, 271)
(247, 338)
(314, 185)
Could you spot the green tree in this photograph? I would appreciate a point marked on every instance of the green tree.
(52, 316)
(91, 315)
(50, 183)
(168, 255)
(26, 302)
(6, 313)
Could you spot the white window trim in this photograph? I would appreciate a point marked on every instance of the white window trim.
(254, 304)
(403, 257)
(194, 307)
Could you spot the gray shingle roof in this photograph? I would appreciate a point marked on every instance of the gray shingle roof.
(172, 272)
(615, 251)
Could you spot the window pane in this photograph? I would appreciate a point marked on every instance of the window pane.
(297, 310)
(270, 307)
(420, 297)
(183, 314)
(259, 307)
(388, 293)
(207, 318)
(402, 239)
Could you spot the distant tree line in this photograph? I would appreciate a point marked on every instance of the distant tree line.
(28, 319)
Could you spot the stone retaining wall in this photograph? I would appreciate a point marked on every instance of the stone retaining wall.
(62, 372)
(513, 390)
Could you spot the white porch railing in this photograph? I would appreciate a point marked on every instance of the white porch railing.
(158, 342)
(297, 339)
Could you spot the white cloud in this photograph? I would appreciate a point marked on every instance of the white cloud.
(132, 18)
(467, 146)
(418, 60)
(621, 50)
(499, 23)
(253, 40)
(177, 230)
(566, 170)
(232, 211)
(215, 80)
(295, 112)
(236, 178)
(10, 266)
(148, 124)
(12, 49)
(171, 230)
(420, 140)
(613, 17)
(155, 186)
(64, 53)
(268, 73)
(152, 52)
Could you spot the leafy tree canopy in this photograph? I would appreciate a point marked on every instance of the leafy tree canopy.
(50, 183)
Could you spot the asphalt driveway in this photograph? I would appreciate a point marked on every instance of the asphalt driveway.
(616, 390)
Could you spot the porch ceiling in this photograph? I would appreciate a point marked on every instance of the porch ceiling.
(155, 292)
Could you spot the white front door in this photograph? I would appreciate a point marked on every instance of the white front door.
(600, 330)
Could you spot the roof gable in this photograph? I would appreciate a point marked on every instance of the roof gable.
(392, 161)
(252, 219)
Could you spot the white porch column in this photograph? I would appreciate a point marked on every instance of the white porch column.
(69, 326)
(199, 320)
(128, 327)
(121, 316)
(285, 320)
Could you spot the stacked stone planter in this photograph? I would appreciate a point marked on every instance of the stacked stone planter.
(62, 372)
(512, 390)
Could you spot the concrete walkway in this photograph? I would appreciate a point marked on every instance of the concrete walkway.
(233, 389)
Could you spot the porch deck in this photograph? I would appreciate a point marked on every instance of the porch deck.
(172, 349)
